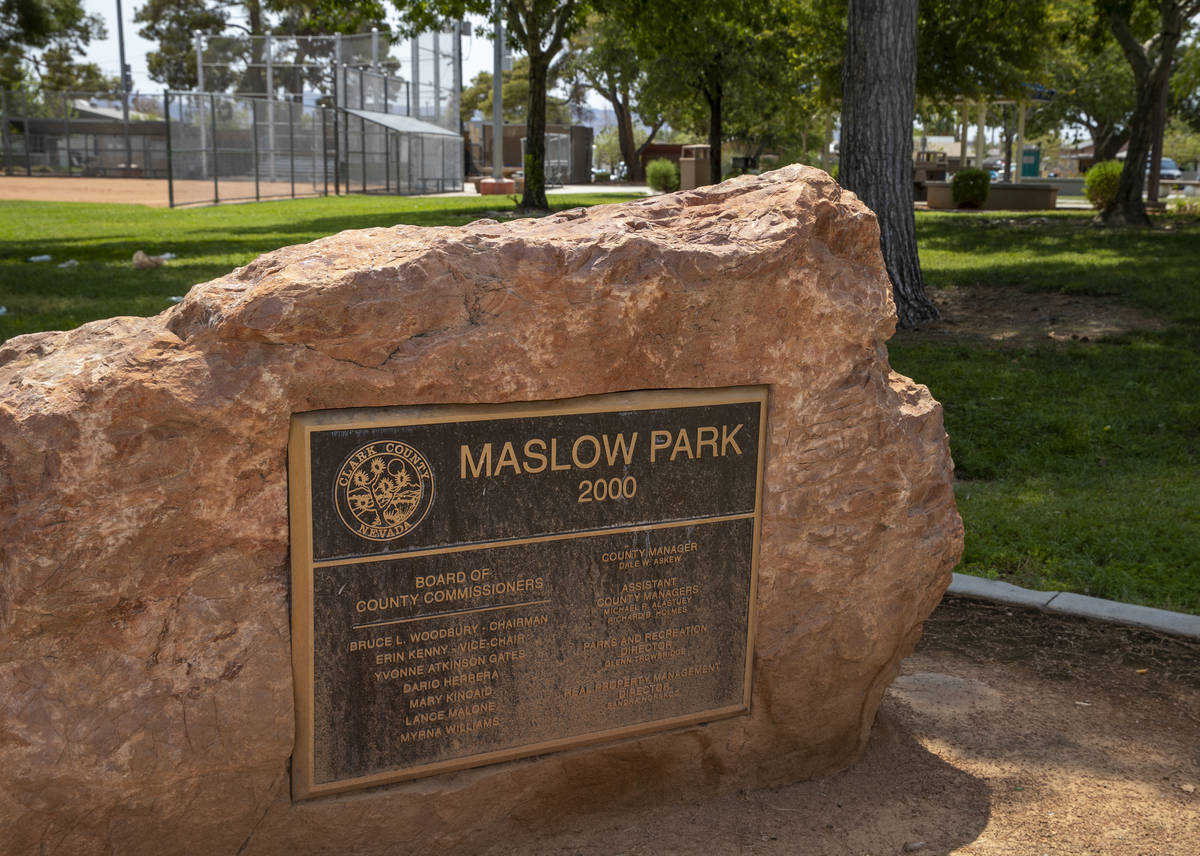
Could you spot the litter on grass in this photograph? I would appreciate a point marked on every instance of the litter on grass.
(42, 258)
(141, 261)
(69, 263)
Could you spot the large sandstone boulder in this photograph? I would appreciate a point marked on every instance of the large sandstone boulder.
(145, 666)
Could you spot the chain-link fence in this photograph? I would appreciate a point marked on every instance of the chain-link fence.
(226, 148)
(82, 134)
(418, 77)
(366, 90)
(430, 63)
(398, 154)
(557, 167)
(283, 65)
(313, 115)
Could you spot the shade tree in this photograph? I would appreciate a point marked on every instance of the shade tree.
(41, 40)
(540, 29)
(1149, 35)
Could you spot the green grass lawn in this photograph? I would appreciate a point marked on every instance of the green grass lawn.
(208, 243)
(1077, 463)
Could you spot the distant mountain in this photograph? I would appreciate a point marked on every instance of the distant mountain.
(598, 118)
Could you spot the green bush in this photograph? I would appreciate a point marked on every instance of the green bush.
(1100, 183)
(662, 175)
(970, 187)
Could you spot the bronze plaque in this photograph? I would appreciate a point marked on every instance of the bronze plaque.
(473, 584)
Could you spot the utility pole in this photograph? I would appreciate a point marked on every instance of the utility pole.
(126, 84)
(497, 97)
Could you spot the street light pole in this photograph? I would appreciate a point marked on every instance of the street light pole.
(125, 82)
(497, 100)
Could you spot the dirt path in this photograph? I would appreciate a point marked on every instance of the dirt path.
(1009, 732)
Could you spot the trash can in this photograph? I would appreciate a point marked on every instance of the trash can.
(693, 167)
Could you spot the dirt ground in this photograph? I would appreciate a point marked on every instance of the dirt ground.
(1010, 316)
(1009, 731)
(129, 191)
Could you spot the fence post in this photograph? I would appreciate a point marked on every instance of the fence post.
(4, 130)
(292, 144)
(456, 88)
(67, 130)
(437, 78)
(337, 153)
(212, 119)
(270, 105)
(254, 143)
(170, 162)
(339, 73)
(126, 83)
(25, 133)
(414, 91)
(200, 101)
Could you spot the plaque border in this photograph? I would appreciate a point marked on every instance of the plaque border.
(305, 424)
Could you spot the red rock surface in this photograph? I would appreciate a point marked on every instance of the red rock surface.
(145, 667)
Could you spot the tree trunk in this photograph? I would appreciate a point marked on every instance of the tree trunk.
(534, 196)
(255, 81)
(714, 93)
(1008, 145)
(1128, 208)
(1109, 140)
(878, 92)
(625, 139)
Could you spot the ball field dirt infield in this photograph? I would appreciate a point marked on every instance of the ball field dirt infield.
(152, 192)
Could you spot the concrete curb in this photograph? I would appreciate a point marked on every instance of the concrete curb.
(1066, 603)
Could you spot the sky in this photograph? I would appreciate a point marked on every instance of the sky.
(477, 52)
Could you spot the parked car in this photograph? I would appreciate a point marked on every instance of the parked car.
(1168, 170)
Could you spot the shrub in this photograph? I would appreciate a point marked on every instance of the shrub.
(1100, 183)
(970, 187)
(662, 175)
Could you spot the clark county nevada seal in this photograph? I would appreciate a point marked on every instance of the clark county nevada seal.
(383, 490)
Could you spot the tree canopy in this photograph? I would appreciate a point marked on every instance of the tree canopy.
(172, 24)
(541, 29)
(979, 48)
(39, 43)
(1149, 35)
(514, 97)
